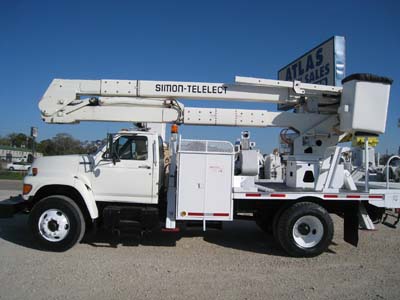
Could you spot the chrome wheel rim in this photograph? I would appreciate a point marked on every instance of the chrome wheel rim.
(308, 231)
(53, 225)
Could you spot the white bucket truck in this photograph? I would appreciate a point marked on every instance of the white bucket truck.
(126, 185)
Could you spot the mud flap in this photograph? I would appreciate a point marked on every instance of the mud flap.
(351, 223)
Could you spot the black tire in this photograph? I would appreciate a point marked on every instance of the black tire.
(11, 169)
(317, 227)
(275, 222)
(75, 229)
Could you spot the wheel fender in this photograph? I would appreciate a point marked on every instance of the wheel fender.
(86, 192)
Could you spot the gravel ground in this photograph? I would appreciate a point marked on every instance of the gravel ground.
(239, 262)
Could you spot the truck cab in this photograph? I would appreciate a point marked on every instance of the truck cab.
(129, 169)
(71, 192)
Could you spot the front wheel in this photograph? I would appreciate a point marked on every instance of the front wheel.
(57, 223)
(305, 229)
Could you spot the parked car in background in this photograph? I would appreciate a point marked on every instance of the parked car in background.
(18, 166)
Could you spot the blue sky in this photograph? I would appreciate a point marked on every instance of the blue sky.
(208, 41)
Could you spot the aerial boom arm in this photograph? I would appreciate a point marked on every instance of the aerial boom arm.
(323, 115)
(154, 101)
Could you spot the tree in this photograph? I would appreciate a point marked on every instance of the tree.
(61, 144)
(46, 147)
(66, 144)
(4, 141)
(18, 140)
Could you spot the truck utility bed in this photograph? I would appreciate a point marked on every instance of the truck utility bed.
(281, 186)
(279, 190)
(389, 198)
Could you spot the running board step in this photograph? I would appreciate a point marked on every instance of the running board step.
(127, 219)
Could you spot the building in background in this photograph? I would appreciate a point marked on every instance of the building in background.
(13, 154)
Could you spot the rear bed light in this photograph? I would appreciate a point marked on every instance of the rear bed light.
(330, 196)
(195, 214)
(375, 196)
(278, 195)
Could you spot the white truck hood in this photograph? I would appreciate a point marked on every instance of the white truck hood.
(65, 164)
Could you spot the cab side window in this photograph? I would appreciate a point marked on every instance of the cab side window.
(132, 148)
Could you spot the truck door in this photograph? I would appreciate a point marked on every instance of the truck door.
(131, 178)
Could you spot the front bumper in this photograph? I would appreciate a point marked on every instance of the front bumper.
(12, 206)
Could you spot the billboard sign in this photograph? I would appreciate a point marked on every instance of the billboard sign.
(325, 64)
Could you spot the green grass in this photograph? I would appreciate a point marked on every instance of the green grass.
(14, 175)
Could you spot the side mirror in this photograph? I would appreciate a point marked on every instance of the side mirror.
(112, 150)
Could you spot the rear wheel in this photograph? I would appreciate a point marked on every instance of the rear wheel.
(275, 222)
(11, 168)
(305, 229)
(57, 223)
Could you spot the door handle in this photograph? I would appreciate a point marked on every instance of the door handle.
(144, 167)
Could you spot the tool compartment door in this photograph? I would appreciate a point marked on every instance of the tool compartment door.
(204, 183)
(218, 199)
(191, 192)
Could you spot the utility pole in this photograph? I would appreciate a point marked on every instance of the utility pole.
(34, 134)
(398, 125)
